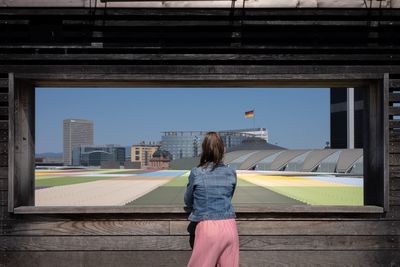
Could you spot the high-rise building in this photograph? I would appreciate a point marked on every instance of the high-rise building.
(76, 132)
(339, 127)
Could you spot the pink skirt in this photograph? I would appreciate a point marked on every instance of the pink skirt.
(216, 243)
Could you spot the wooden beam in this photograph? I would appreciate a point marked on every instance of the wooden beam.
(344, 256)
(179, 210)
(11, 142)
(203, 4)
(202, 57)
(385, 143)
(181, 243)
(117, 227)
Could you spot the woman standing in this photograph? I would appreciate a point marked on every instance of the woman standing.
(209, 194)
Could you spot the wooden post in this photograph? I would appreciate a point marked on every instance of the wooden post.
(11, 120)
(22, 144)
(375, 145)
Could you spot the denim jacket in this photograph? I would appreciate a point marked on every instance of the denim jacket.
(209, 193)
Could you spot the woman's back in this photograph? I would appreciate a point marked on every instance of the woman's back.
(210, 191)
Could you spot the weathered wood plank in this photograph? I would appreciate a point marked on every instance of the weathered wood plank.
(143, 227)
(11, 143)
(4, 83)
(394, 147)
(394, 136)
(142, 48)
(394, 83)
(199, 57)
(394, 159)
(321, 258)
(394, 168)
(358, 13)
(3, 111)
(3, 198)
(394, 197)
(68, 71)
(3, 160)
(160, 209)
(3, 125)
(3, 184)
(394, 174)
(89, 227)
(394, 123)
(395, 183)
(393, 213)
(3, 134)
(394, 111)
(3, 148)
(370, 258)
(3, 97)
(3, 172)
(384, 146)
(316, 227)
(4, 216)
(394, 97)
(257, 243)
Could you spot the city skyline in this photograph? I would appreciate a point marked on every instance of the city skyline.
(118, 114)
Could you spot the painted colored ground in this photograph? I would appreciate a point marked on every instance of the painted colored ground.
(138, 187)
(246, 193)
(94, 188)
(312, 190)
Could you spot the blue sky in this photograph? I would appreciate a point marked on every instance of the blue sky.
(294, 118)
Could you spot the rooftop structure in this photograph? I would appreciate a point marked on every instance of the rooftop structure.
(344, 161)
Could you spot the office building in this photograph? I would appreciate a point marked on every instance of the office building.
(95, 155)
(76, 132)
(143, 153)
(187, 144)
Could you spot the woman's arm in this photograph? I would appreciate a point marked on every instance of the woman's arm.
(189, 191)
(234, 185)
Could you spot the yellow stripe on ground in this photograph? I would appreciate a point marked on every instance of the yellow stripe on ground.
(264, 180)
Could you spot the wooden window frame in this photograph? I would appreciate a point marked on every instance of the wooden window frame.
(22, 137)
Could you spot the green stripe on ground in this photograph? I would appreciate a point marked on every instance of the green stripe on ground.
(67, 180)
(45, 177)
(246, 193)
(333, 195)
(166, 195)
(179, 181)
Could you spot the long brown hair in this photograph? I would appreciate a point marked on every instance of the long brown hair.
(213, 150)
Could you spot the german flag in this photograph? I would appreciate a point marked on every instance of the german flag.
(249, 114)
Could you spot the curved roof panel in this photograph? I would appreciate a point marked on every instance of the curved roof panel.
(315, 157)
(257, 157)
(284, 158)
(347, 159)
